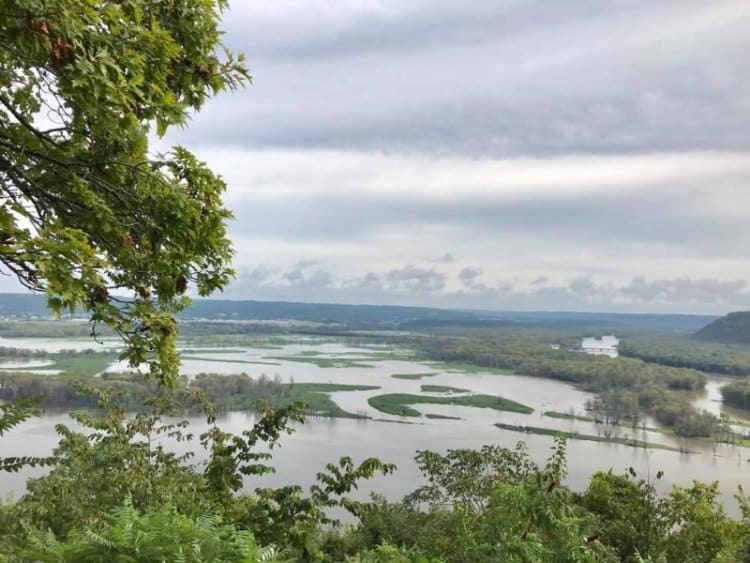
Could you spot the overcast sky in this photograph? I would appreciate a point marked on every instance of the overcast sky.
(516, 154)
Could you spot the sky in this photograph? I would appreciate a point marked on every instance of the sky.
(512, 154)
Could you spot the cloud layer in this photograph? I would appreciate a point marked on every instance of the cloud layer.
(501, 154)
(499, 79)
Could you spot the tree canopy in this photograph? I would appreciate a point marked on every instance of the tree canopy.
(88, 214)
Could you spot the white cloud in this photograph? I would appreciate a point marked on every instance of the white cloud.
(608, 218)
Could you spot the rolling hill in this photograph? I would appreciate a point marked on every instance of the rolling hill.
(33, 306)
(733, 328)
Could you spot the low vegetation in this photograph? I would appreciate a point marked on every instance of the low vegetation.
(683, 351)
(399, 403)
(72, 362)
(608, 437)
(229, 360)
(413, 375)
(470, 368)
(442, 389)
(568, 416)
(50, 329)
(441, 416)
(315, 398)
(323, 361)
(237, 392)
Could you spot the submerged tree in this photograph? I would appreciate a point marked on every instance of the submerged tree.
(88, 214)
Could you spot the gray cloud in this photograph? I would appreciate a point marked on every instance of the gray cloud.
(258, 275)
(307, 275)
(415, 285)
(409, 279)
(586, 287)
(356, 28)
(599, 219)
(294, 275)
(447, 258)
(470, 278)
(370, 281)
(641, 291)
(469, 275)
(413, 278)
(687, 290)
(490, 79)
(684, 211)
(577, 154)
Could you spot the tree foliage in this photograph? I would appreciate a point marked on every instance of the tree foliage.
(161, 535)
(88, 215)
(737, 394)
(493, 504)
(683, 351)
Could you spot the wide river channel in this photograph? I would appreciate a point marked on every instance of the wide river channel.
(396, 439)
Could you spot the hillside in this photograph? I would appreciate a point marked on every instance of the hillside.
(33, 306)
(732, 328)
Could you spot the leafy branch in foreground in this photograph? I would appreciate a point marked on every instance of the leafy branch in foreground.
(161, 535)
(232, 455)
(88, 215)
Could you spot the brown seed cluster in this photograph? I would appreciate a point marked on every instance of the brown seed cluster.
(181, 285)
(60, 49)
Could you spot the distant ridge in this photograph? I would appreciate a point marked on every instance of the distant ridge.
(329, 313)
(24, 306)
(31, 306)
(733, 328)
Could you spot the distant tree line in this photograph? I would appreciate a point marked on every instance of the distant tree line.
(711, 357)
(737, 394)
(227, 392)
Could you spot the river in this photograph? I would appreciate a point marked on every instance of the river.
(320, 441)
